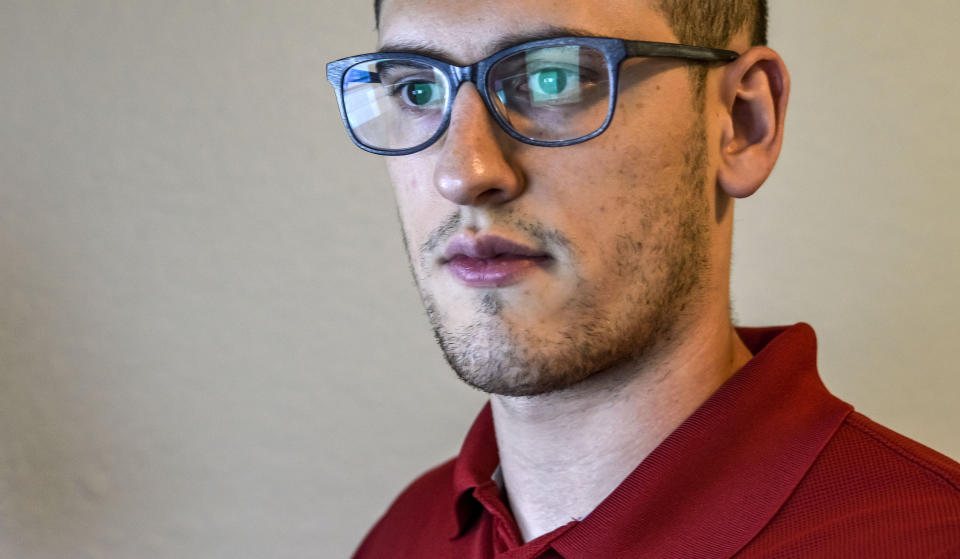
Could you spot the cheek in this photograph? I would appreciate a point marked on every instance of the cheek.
(622, 210)
(619, 190)
(415, 197)
(420, 207)
(406, 176)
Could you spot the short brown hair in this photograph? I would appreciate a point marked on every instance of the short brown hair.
(713, 23)
(708, 23)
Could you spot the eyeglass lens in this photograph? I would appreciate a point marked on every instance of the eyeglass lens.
(548, 94)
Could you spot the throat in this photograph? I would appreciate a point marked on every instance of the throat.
(558, 471)
(563, 453)
(545, 496)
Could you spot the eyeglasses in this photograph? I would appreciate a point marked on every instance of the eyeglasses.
(552, 92)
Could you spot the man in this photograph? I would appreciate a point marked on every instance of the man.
(565, 175)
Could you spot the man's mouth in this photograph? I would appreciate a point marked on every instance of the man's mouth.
(491, 261)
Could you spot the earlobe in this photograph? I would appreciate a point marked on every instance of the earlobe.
(754, 92)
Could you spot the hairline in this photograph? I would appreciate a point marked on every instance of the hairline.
(757, 28)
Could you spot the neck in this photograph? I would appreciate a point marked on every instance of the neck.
(562, 453)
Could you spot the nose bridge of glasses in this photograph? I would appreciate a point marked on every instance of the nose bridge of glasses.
(472, 74)
(462, 75)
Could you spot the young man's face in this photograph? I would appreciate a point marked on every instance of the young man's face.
(540, 266)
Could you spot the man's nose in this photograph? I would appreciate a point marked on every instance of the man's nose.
(473, 167)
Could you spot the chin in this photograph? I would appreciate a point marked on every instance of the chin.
(515, 361)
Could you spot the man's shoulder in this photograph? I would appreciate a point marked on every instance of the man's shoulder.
(870, 489)
(418, 518)
(895, 459)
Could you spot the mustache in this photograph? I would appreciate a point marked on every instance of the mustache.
(536, 231)
(441, 234)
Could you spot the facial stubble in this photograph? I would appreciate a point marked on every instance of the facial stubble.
(495, 356)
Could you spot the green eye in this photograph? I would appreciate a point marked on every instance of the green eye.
(419, 94)
(552, 81)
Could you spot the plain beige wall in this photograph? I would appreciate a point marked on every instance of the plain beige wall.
(209, 342)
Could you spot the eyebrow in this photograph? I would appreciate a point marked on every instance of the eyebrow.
(511, 40)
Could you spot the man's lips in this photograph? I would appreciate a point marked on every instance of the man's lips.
(488, 247)
(490, 261)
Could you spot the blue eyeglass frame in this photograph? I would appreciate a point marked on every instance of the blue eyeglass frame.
(615, 51)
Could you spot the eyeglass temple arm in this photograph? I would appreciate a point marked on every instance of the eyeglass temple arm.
(672, 50)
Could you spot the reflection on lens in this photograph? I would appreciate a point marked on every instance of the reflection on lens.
(552, 81)
(421, 93)
(394, 104)
(553, 93)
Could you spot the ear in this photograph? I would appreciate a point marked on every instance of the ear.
(754, 92)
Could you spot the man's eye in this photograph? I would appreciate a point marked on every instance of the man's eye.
(419, 94)
(549, 81)
(553, 85)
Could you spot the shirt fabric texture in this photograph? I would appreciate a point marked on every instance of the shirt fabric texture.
(771, 465)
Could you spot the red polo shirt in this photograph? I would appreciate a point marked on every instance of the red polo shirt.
(772, 465)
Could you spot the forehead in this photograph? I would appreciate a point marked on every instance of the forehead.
(469, 30)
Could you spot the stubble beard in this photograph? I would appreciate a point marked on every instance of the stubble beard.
(493, 356)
